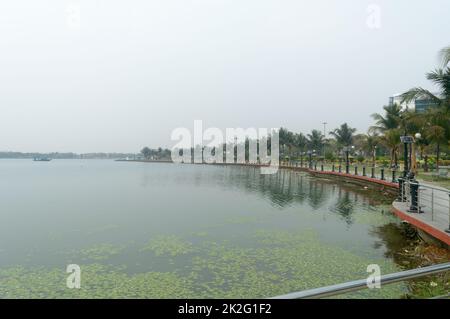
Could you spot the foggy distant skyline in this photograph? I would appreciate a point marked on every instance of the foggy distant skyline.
(114, 76)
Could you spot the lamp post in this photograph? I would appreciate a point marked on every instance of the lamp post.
(374, 155)
(346, 149)
(324, 135)
(405, 139)
(314, 156)
(417, 137)
(310, 158)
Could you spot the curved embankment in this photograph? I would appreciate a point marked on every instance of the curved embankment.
(400, 209)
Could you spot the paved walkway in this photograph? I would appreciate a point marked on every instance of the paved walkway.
(433, 200)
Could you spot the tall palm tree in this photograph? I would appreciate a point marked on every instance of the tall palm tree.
(286, 139)
(444, 56)
(437, 130)
(343, 135)
(300, 142)
(371, 142)
(441, 78)
(315, 140)
(391, 140)
(390, 120)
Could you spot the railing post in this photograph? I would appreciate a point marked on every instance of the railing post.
(448, 230)
(414, 192)
(432, 204)
(321, 167)
(315, 166)
(372, 175)
(332, 168)
(364, 170)
(393, 176)
(401, 189)
(347, 169)
(382, 174)
(340, 169)
(356, 170)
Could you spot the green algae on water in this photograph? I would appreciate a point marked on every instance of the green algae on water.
(168, 245)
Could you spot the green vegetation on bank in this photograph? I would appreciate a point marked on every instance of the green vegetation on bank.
(380, 145)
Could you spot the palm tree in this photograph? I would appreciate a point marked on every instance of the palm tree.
(441, 78)
(300, 143)
(436, 130)
(444, 56)
(391, 140)
(286, 139)
(344, 135)
(315, 140)
(370, 145)
(391, 119)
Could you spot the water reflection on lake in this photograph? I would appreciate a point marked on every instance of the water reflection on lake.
(164, 230)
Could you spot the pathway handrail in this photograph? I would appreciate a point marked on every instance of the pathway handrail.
(360, 284)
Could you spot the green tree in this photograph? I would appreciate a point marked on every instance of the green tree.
(343, 135)
(370, 143)
(391, 140)
(315, 140)
(146, 152)
(435, 130)
(390, 120)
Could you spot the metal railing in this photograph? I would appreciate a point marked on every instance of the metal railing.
(361, 284)
(427, 199)
(420, 198)
(376, 172)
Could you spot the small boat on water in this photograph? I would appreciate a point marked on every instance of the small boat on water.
(42, 159)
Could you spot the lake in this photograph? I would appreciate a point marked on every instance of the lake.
(156, 230)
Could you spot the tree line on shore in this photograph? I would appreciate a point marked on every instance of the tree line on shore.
(431, 130)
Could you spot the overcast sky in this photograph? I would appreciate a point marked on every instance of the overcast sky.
(109, 76)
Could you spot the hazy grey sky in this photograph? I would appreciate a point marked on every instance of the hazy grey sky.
(126, 73)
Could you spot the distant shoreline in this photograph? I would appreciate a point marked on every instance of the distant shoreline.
(144, 161)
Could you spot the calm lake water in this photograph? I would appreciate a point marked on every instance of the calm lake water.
(164, 230)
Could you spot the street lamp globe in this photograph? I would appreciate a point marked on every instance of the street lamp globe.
(418, 136)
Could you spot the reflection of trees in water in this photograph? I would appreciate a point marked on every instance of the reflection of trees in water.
(344, 205)
(283, 189)
(316, 194)
(394, 237)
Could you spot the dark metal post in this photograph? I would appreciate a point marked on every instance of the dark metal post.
(405, 159)
(364, 171)
(340, 169)
(448, 229)
(414, 191)
(321, 167)
(393, 176)
(332, 168)
(315, 166)
(356, 170)
(382, 174)
(347, 162)
(401, 190)
(372, 175)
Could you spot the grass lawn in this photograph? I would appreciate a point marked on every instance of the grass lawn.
(433, 179)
